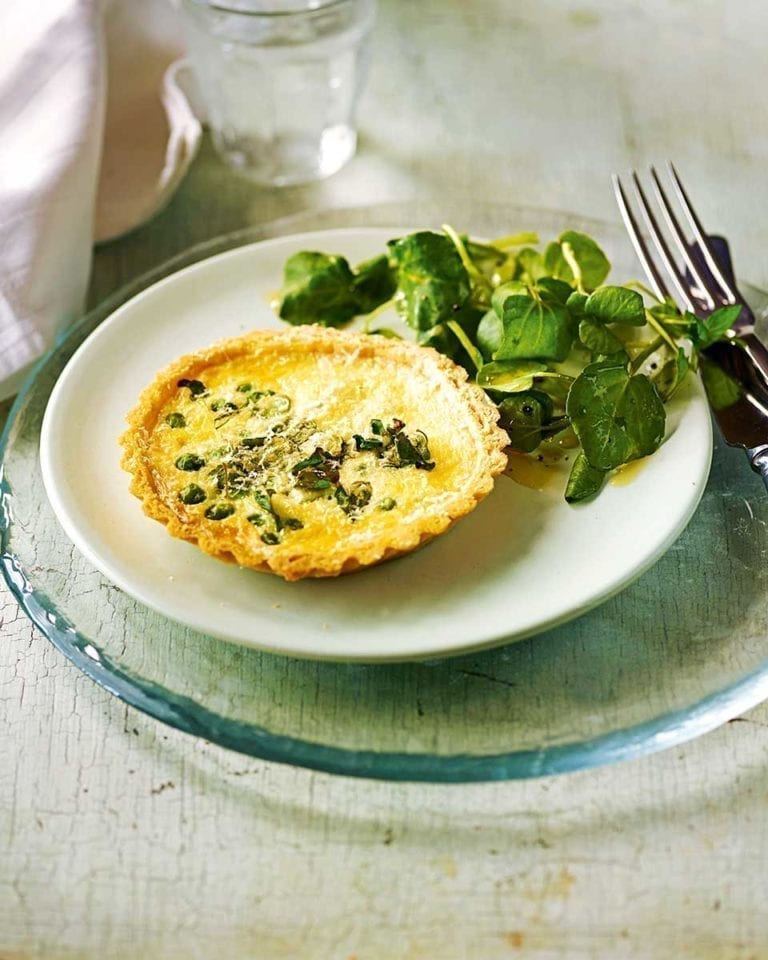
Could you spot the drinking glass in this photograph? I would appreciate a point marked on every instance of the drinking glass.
(280, 80)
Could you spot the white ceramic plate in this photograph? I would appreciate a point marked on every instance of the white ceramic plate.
(522, 561)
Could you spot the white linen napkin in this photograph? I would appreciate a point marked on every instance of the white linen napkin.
(95, 136)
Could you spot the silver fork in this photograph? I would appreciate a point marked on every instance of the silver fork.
(702, 279)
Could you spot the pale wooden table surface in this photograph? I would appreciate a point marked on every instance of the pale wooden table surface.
(122, 838)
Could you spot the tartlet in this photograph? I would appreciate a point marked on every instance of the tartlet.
(310, 452)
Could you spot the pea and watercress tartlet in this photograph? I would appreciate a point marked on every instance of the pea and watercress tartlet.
(311, 452)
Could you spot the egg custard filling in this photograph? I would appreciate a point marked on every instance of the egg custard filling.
(310, 452)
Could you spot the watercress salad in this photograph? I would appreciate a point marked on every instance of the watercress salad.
(562, 353)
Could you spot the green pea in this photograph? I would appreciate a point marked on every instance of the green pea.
(176, 420)
(192, 494)
(387, 504)
(219, 511)
(189, 461)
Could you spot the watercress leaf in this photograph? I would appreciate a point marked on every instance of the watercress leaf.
(317, 288)
(529, 265)
(484, 255)
(535, 330)
(432, 281)
(722, 390)
(523, 417)
(616, 305)
(375, 282)
(711, 328)
(593, 265)
(557, 290)
(584, 481)
(509, 376)
(505, 290)
(489, 333)
(672, 374)
(576, 302)
(617, 417)
(598, 338)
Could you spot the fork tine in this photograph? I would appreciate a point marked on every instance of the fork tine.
(651, 270)
(705, 287)
(699, 233)
(662, 247)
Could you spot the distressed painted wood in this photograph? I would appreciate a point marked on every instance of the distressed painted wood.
(120, 837)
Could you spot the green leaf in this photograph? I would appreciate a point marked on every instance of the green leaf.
(375, 282)
(432, 281)
(484, 255)
(489, 334)
(506, 290)
(576, 303)
(722, 390)
(317, 288)
(509, 376)
(617, 417)
(598, 338)
(524, 417)
(616, 305)
(584, 482)
(592, 263)
(554, 290)
(711, 328)
(672, 374)
(535, 330)
(529, 266)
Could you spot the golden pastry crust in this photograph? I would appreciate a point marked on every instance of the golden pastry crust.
(310, 452)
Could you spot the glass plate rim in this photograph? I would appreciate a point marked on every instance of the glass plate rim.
(185, 714)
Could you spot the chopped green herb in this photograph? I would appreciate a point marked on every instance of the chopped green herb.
(219, 511)
(372, 443)
(190, 462)
(354, 499)
(192, 494)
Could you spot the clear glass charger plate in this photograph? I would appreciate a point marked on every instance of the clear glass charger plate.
(675, 654)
